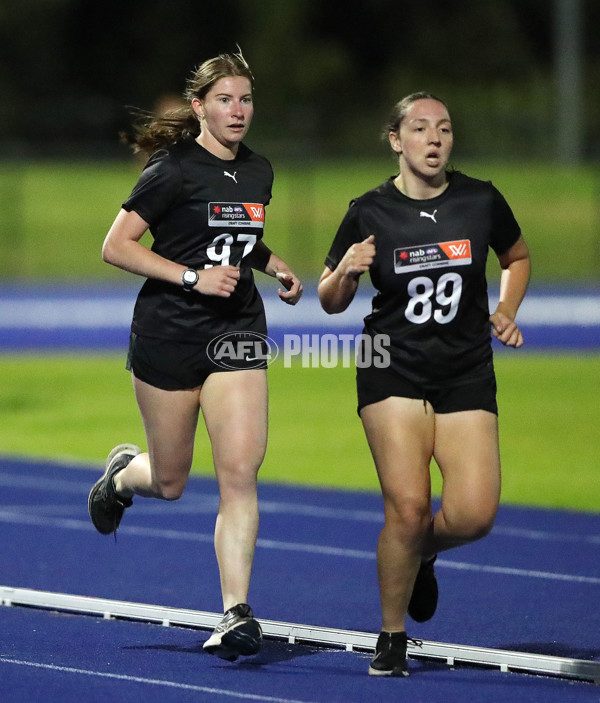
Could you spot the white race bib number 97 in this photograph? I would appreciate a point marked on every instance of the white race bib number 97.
(219, 250)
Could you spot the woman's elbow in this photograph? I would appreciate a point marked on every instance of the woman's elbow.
(329, 304)
(106, 254)
(109, 254)
(328, 308)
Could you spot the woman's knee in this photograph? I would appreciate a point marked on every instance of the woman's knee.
(408, 516)
(169, 489)
(470, 525)
(169, 472)
(236, 478)
(480, 526)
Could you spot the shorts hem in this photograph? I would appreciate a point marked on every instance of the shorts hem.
(373, 386)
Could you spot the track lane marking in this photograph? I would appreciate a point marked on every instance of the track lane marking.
(150, 682)
(204, 503)
(208, 538)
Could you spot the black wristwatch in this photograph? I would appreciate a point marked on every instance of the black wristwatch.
(189, 278)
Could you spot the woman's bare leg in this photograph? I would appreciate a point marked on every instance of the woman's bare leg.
(467, 452)
(170, 420)
(400, 432)
(235, 410)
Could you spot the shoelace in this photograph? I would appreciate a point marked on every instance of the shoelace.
(228, 620)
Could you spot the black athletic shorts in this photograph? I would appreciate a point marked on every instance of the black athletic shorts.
(464, 393)
(174, 365)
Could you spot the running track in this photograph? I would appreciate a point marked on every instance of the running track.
(99, 317)
(533, 585)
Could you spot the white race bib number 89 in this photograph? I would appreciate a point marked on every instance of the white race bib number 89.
(427, 299)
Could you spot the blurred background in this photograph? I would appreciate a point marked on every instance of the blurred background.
(522, 78)
(327, 72)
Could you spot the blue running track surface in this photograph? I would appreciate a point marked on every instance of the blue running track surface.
(99, 317)
(533, 585)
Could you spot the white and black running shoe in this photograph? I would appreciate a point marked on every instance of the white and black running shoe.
(390, 655)
(105, 506)
(237, 634)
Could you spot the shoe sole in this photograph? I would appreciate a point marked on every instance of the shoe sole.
(244, 640)
(222, 652)
(391, 672)
(129, 448)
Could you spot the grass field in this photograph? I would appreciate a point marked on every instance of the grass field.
(55, 216)
(76, 407)
(54, 219)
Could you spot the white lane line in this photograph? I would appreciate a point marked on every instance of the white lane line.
(271, 506)
(543, 535)
(208, 538)
(508, 571)
(195, 502)
(151, 682)
(85, 312)
(37, 483)
(203, 503)
(38, 509)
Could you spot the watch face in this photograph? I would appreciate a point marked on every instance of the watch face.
(190, 277)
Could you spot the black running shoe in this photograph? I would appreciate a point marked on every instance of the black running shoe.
(390, 655)
(237, 634)
(105, 507)
(424, 599)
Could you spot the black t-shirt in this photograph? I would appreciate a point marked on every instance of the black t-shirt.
(429, 271)
(202, 212)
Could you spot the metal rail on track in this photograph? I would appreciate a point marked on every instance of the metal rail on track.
(350, 640)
